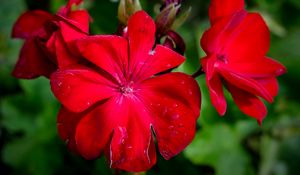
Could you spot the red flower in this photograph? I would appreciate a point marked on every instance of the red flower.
(119, 105)
(236, 47)
(49, 40)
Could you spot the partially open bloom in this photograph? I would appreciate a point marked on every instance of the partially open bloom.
(236, 47)
(119, 104)
(49, 40)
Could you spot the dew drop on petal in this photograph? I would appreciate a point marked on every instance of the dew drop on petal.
(168, 65)
(171, 127)
(151, 52)
(175, 117)
(190, 92)
(175, 105)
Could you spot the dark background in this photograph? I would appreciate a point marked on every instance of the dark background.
(231, 145)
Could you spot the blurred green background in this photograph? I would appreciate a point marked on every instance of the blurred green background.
(232, 145)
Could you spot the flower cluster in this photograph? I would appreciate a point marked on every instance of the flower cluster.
(118, 93)
(236, 45)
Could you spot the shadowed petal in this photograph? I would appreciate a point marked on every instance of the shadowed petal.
(30, 24)
(78, 89)
(67, 122)
(33, 62)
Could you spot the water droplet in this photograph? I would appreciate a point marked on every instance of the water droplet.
(168, 65)
(175, 105)
(129, 147)
(59, 84)
(151, 52)
(165, 111)
(182, 82)
(123, 141)
(171, 127)
(190, 92)
(280, 72)
(175, 117)
(141, 63)
(88, 103)
(175, 132)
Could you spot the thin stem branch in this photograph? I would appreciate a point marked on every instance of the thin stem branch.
(198, 72)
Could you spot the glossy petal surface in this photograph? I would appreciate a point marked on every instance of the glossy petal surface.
(223, 8)
(174, 111)
(78, 89)
(122, 101)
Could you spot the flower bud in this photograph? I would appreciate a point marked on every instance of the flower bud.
(126, 9)
(175, 42)
(166, 18)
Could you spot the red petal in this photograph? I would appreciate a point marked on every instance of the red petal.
(159, 60)
(70, 36)
(108, 52)
(248, 103)
(243, 82)
(216, 94)
(263, 68)
(66, 124)
(80, 19)
(63, 55)
(71, 2)
(77, 89)
(30, 24)
(96, 126)
(141, 32)
(50, 45)
(132, 147)
(219, 34)
(214, 84)
(33, 62)
(174, 104)
(222, 8)
(248, 41)
(270, 84)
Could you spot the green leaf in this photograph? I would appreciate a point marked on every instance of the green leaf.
(218, 146)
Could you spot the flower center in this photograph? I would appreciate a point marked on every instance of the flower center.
(222, 58)
(126, 89)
